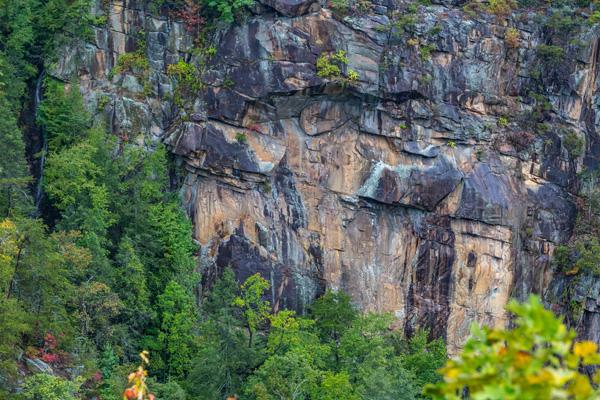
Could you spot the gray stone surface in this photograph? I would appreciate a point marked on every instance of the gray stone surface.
(402, 187)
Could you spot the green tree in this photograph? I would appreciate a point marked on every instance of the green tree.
(62, 114)
(421, 357)
(292, 375)
(333, 313)
(255, 309)
(337, 386)
(13, 317)
(223, 360)
(128, 279)
(108, 361)
(178, 319)
(366, 352)
(537, 359)
(14, 176)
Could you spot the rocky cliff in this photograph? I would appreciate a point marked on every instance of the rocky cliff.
(432, 175)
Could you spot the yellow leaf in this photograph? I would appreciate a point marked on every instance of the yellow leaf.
(583, 349)
(580, 387)
(451, 373)
(541, 377)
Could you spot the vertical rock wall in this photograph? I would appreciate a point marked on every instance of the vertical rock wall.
(421, 188)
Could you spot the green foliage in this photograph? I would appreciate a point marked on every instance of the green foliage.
(537, 359)
(62, 115)
(250, 300)
(333, 313)
(187, 78)
(170, 390)
(421, 356)
(241, 138)
(290, 375)
(14, 177)
(581, 256)
(330, 66)
(49, 387)
(404, 23)
(501, 7)
(425, 51)
(336, 386)
(573, 143)
(339, 6)
(332, 354)
(226, 10)
(352, 75)
(176, 308)
(550, 53)
(325, 69)
(136, 63)
(60, 22)
(503, 122)
(223, 359)
(108, 361)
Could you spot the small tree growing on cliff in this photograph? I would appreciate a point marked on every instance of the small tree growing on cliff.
(535, 360)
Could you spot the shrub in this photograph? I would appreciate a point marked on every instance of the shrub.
(425, 51)
(573, 143)
(226, 10)
(512, 38)
(581, 256)
(135, 62)
(503, 122)
(329, 66)
(340, 6)
(186, 75)
(352, 75)
(501, 7)
(48, 387)
(550, 53)
(437, 28)
(537, 359)
(405, 23)
(241, 138)
(326, 69)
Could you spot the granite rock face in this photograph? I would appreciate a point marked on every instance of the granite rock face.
(419, 188)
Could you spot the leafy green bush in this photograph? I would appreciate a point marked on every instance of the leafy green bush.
(582, 256)
(226, 10)
(573, 143)
(501, 7)
(340, 6)
(503, 122)
(550, 53)
(241, 138)
(188, 80)
(537, 359)
(49, 387)
(329, 66)
(135, 62)
(425, 51)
